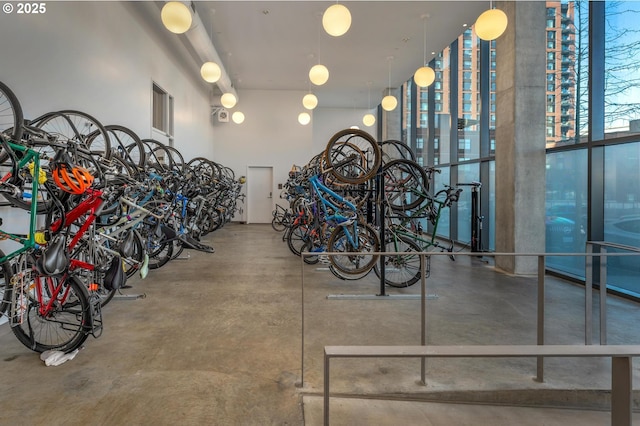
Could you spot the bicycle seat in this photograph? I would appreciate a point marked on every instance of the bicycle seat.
(127, 246)
(54, 259)
(115, 277)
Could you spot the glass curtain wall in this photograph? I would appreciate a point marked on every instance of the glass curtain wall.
(592, 132)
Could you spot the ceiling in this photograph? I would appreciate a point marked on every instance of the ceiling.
(271, 45)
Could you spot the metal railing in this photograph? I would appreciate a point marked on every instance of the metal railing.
(539, 354)
(599, 247)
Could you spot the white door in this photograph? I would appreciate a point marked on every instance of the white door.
(259, 194)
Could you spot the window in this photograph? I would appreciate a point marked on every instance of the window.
(551, 86)
(551, 127)
(621, 69)
(162, 113)
(551, 103)
(158, 118)
(551, 35)
(551, 23)
(466, 106)
(566, 209)
(551, 44)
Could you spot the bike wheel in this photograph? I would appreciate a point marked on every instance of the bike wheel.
(405, 184)
(354, 260)
(279, 222)
(5, 285)
(46, 319)
(297, 237)
(353, 156)
(77, 126)
(394, 149)
(10, 114)
(401, 270)
(126, 145)
(309, 247)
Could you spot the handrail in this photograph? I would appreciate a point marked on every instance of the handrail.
(621, 364)
(540, 315)
(588, 283)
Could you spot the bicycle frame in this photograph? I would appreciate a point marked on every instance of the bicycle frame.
(320, 189)
(29, 241)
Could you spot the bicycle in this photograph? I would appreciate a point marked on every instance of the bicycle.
(282, 218)
(47, 307)
(403, 270)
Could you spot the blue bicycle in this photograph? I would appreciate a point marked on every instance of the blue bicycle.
(352, 157)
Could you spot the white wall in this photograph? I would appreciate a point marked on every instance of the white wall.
(329, 121)
(269, 136)
(100, 58)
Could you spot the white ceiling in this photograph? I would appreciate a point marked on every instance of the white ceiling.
(272, 45)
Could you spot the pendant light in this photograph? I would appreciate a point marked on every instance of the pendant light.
(336, 20)
(389, 102)
(369, 119)
(425, 75)
(210, 71)
(491, 24)
(237, 117)
(176, 17)
(309, 101)
(228, 100)
(304, 118)
(318, 74)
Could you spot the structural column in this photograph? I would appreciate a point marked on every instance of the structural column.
(520, 135)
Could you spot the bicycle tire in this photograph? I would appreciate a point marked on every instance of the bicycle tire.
(405, 184)
(126, 145)
(159, 250)
(402, 270)
(6, 274)
(11, 117)
(157, 156)
(64, 330)
(356, 261)
(361, 148)
(311, 259)
(394, 150)
(297, 237)
(77, 126)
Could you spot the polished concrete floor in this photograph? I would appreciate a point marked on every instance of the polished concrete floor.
(222, 339)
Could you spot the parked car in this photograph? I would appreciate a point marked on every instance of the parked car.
(625, 231)
(563, 235)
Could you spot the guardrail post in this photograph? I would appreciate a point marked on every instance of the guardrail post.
(621, 391)
(423, 328)
(603, 295)
(588, 294)
(326, 389)
(540, 327)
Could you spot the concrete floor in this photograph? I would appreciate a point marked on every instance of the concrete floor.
(218, 341)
